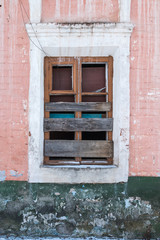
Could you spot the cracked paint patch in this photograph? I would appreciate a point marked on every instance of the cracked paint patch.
(2, 176)
(14, 173)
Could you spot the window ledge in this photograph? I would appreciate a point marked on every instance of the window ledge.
(81, 166)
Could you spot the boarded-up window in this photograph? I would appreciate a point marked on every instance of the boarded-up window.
(78, 111)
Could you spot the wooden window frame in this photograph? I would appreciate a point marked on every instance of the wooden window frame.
(76, 63)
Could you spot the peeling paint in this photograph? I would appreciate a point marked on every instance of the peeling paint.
(2, 176)
(100, 210)
(72, 190)
(16, 174)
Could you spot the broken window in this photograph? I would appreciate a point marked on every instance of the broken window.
(78, 111)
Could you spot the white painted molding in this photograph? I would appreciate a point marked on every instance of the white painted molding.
(35, 10)
(80, 40)
(125, 6)
(56, 29)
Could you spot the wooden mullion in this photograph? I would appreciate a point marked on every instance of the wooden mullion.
(78, 135)
(110, 97)
(110, 90)
(46, 97)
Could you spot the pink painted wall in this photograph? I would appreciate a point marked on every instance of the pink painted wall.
(145, 89)
(14, 83)
(144, 80)
(80, 11)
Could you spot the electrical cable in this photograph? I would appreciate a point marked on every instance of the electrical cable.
(40, 48)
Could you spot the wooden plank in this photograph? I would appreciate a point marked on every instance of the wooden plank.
(75, 148)
(93, 162)
(78, 107)
(78, 124)
(62, 162)
(81, 162)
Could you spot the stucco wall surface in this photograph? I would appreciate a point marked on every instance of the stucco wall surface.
(144, 79)
(145, 88)
(14, 83)
(80, 11)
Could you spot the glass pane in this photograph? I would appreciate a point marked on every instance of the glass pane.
(94, 98)
(61, 78)
(62, 98)
(93, 78)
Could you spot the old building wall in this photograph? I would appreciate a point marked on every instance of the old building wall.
(145, 89)
(114, 210)
(14, 85)
(144, 82)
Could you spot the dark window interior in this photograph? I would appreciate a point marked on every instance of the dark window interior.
(61, 98)
(62, 135)
(93, 77)
(93, 135)
(61, 78)
(93, 98)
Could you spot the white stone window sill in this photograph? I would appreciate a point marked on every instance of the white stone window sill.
(81, 166)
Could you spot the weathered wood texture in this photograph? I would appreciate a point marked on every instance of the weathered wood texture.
(78, 107)
(75, 148)
(90, 161)
(81, 124)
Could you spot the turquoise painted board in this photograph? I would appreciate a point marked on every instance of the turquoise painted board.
(91, 115)
(71, 115)
(61, 115)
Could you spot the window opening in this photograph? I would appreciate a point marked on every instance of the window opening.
(78, 111)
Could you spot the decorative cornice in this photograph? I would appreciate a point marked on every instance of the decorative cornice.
(49, 29)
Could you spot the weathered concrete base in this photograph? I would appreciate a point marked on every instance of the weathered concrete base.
(41, 238)
(109, 211)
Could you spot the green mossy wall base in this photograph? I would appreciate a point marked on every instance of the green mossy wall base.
(129, 210)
